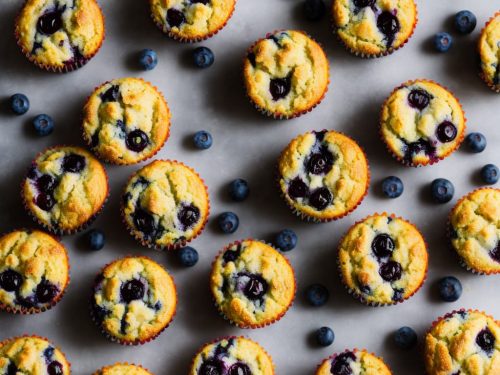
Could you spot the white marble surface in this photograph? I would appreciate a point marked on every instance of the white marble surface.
(246, 144)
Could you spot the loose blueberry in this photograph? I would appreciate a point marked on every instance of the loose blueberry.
(392, 187)
(383, 245)
(188, 215)
(405, 338)
(19, 104)
(46, 183)
(391, 271)
(280, 87)
(10, 280)
(202, 140)
(187, 256)
(144, 222)
(314, 10)
(341, 366)
(442, 42)
(43, 125)
(465, 22)
(442, 190)
(317, 294)
(320, 163)
(489, 174)
(203, 57)
(55, 368)
(132, 290)
(320, 198)
(211, 367)
(286, 240)
(148, 59)
(228, 222)
(111, 95)
(325, 336)
(476, 142)
(175, 17)
(419, 99)
(95, 239)
(450, 289)
(73, 163)
(446, 132)
(388, 24)
(256, 287)
(239, 369)
(49, 22)
(486, 340)
(46, 292)
(137, 140)
(45, 201)
(238, 190)
(297, 189)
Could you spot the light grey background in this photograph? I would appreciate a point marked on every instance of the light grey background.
(246, 144)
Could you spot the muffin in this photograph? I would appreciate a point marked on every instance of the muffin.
(374, 28)
(323, 175)
(65, 189)
(383, 260)
(123, 369)
(421, 123)
(253, 285)
(232, 356)
(34, 271)
(489, 53)
(134, 300)
(474, 230)
(191, 21)
(165, 204)
(60, 36)
(31, 355)
(358, 362)
(465, 341)
(126, 121)
(286, 74)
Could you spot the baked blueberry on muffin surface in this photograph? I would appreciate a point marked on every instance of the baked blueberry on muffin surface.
(286, 74)
(126, 121)
(60, 35)
(355, 362)
(232, 356)
(252, 283)
(134, 300)
(421, 123)
(489, 52)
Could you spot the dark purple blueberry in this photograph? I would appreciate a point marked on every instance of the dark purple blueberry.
(49, 22)
(132, 290)
(364, 3)
(495, 253)
(365, 289)
(73, 163)
(486, 340)
(419, 98)
(175, 17)
(111, 95)
(251, 58)
(397, 295)
(256, 287)
(280, 87)
(46, 183)
(99, 312)
(383, 245)
(391, 271)
(320, 198)
(33, 173)
(239, 369)
(10, 280)
(320, 135)
(45, 201)
(205, 2)
(388, 24)
(321, 162)
(340, 364)
(417, 147)
(231, 255)
(11, 369)
(188, 215)
(54, 368)
(137, 140)
(211, 367)
(446, 132)
(144, 222)
(48, 353)
(297, 188)
(46, 292)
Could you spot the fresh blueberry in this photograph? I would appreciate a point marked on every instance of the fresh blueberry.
(95, 239)
(489, 174)
(442, 42)
(238, 190)
(405, 338)
(148, 59)
(188, 256)
(325, 336)
(442, 190)
(19, 104)
(450, 289)
(286, 240)
(228, 222)
(392, 187)
(202, 140)
(465, 22)
(203, 57)
(476, 142)
(317, 294)
(314, 10)
(43, 124)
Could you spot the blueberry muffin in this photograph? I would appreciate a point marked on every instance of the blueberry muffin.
(358, 362)
(422, 123)
(60, 35)
(191, 21)
(126, 121)
(323, 175)
(34, 271)
(475, 230)
(286, 74)
(232, 356)
(374, 28)
(134, 300)
(165, 204)
(122, 369)
(383, 260)
(463, 342)
(253, 285)
(65, 189)
(489, 53)
(31, 355)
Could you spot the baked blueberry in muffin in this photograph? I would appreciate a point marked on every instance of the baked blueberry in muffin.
(351, 362)
(489, 53)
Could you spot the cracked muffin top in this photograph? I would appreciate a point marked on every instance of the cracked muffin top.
(126, 121)
(355, 362)
(65, 188)
(286, 74)
(489, 52)
(60, 35)
(122, 369)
